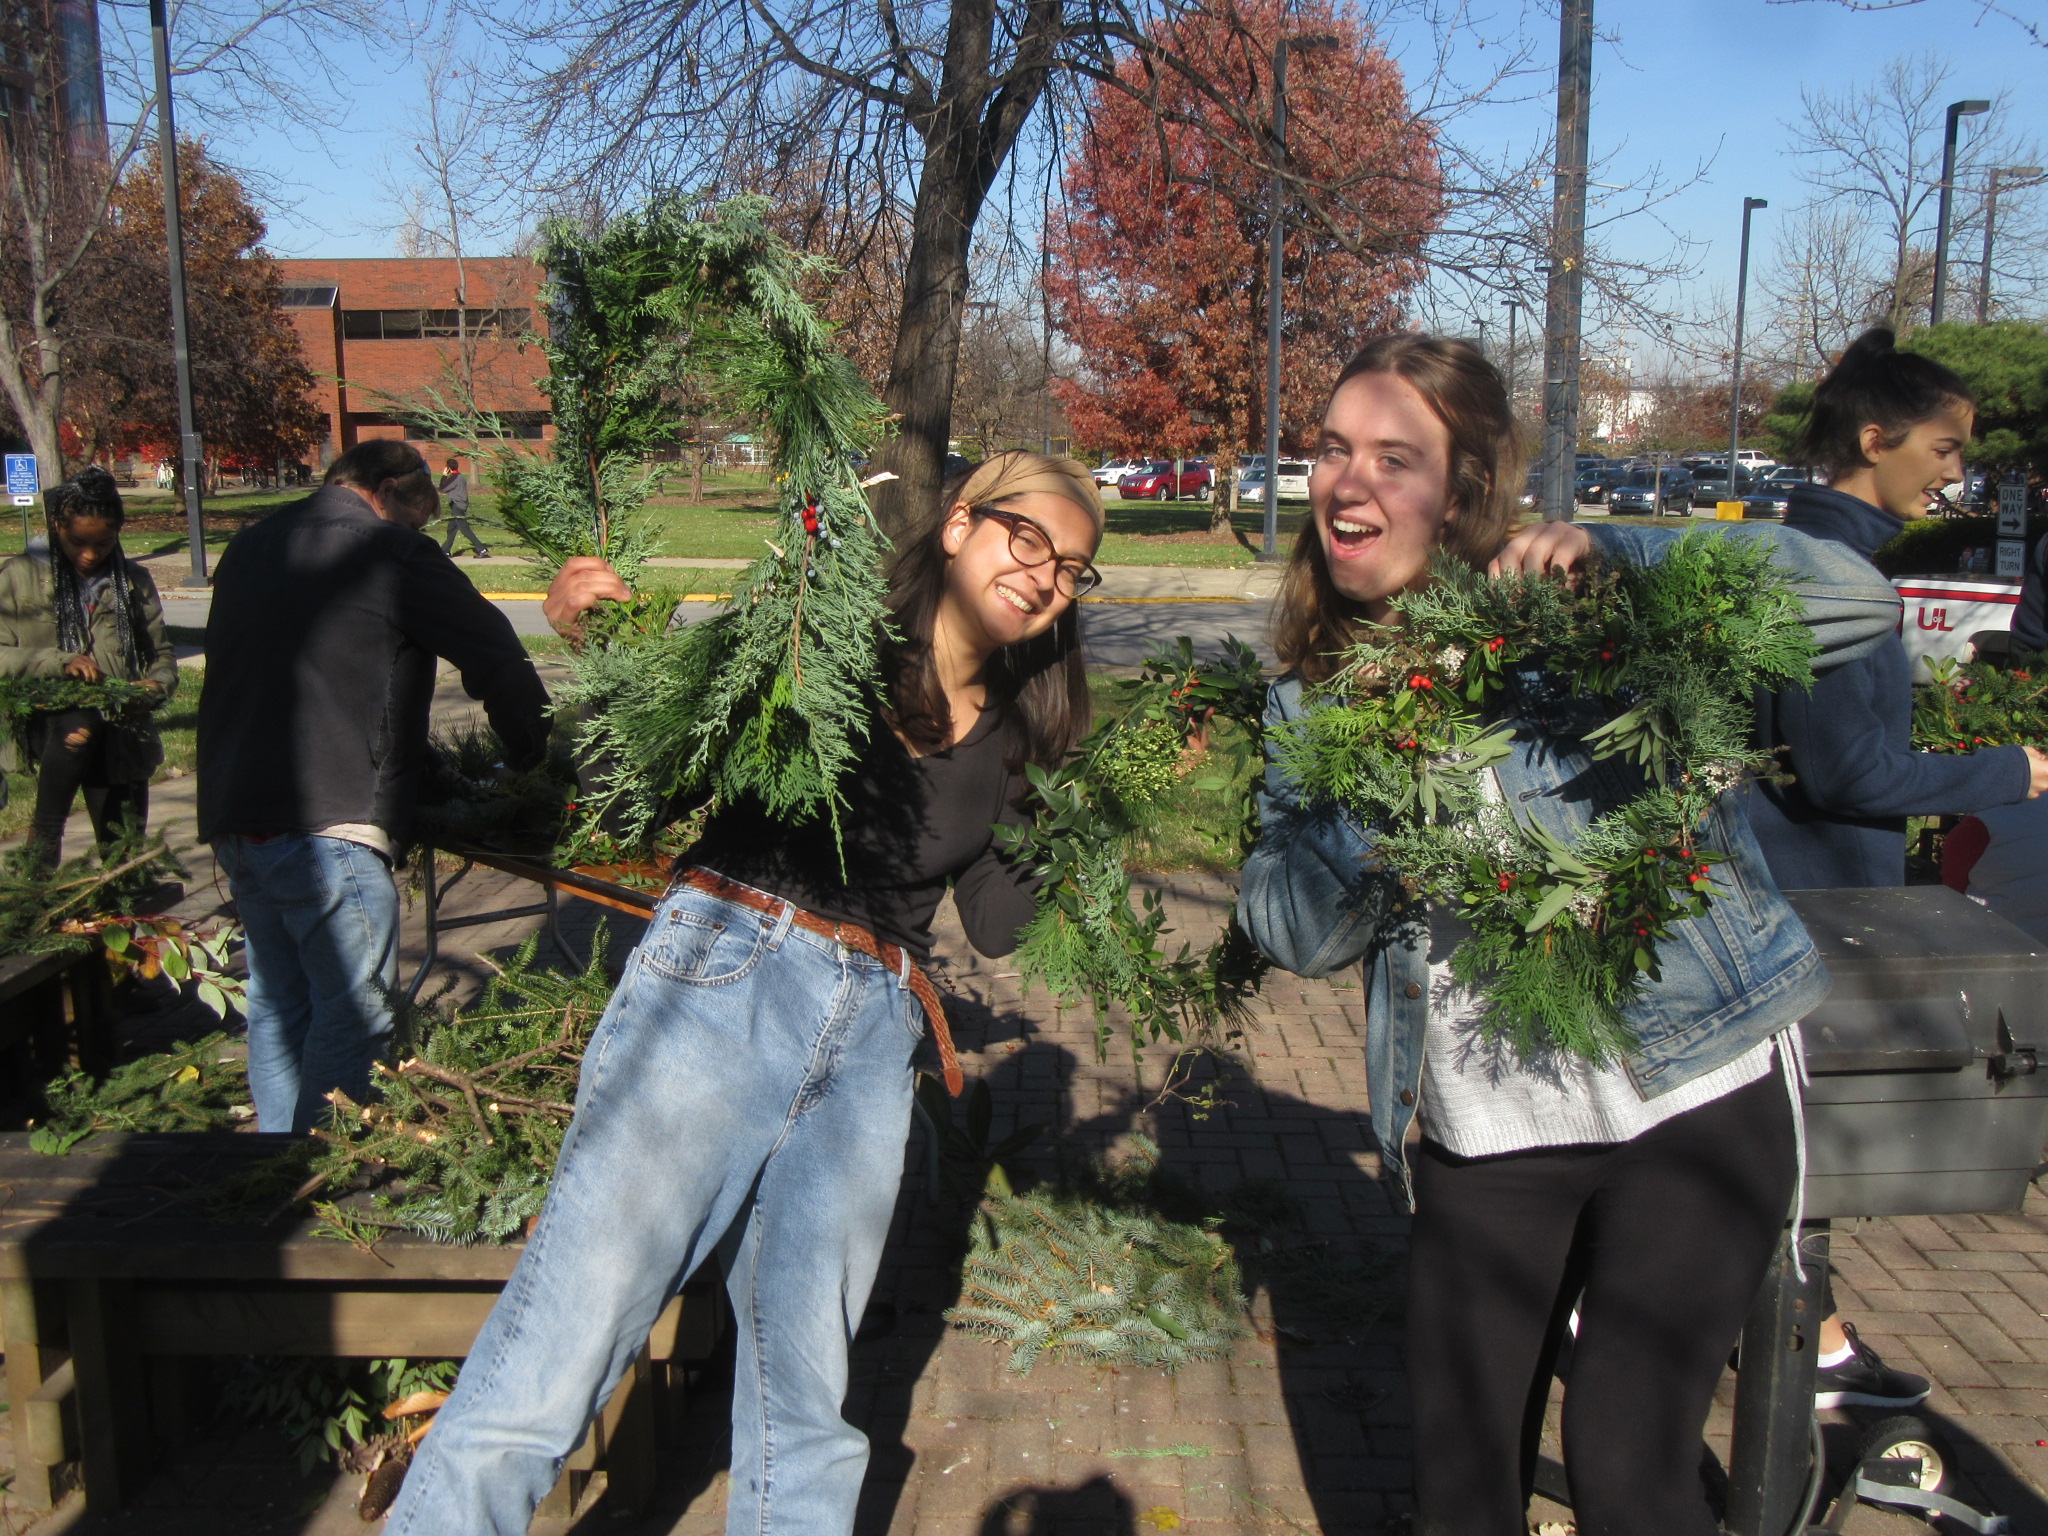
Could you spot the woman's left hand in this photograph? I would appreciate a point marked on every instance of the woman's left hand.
(1559, 547)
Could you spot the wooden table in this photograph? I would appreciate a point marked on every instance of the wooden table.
(587, 882)
(56, 1010)
(112, 1276)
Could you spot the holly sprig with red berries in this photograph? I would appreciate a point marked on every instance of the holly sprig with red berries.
(1974, 705)
(1653, 669)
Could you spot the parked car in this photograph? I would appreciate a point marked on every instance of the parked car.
(1756, 461)
(1293, 483)
(1711, 485)
(1107, 475)
(1651, 492)
(1532, 492)
(1771, 495)
(1247, 468)
(1596, 480)
(1155, 482)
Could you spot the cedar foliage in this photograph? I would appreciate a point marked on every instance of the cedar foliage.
(1086, 940)
(1973, 705)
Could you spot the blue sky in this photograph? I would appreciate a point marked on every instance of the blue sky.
(1677, 83)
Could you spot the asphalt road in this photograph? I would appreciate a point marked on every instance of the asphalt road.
(1117, 634)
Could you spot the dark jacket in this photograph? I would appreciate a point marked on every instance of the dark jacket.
(1857, 778)
(2030, 619)
(320, 655)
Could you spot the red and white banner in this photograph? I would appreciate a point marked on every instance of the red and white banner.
(1942, 612)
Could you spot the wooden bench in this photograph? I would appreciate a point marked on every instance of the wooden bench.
(112, 1276)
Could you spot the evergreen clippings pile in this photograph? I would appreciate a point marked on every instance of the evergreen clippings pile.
(198, 1085)
(1973, 705)
(1086, 940)
(1563, 934)
(462, 1138)
(1093, 1271)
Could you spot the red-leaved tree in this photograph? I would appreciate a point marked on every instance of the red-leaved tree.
(1159, 253)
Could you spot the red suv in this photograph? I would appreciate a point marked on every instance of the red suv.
(1155, 482)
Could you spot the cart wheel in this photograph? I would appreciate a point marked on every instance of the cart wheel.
(1907, 1439)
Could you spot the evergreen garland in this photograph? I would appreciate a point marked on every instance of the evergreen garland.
(1974, 705)
(1670, 653)
(1086, 940)
(23, 698)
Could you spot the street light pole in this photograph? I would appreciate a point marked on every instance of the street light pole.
(1749, 206)
(2016, 173)
(1564, 304)
(1045, 361)
(190, 454)
(1513, 306)
(1276, 237)
(1957, 110)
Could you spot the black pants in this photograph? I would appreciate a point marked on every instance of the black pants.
(1668, 1236)
(64, 766)
(458, 527)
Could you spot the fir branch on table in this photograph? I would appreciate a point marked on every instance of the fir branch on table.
(48, 910)
(1086, 941)
(1973, 705)
(200, 1085)
(462, 1138)
(1654, 667)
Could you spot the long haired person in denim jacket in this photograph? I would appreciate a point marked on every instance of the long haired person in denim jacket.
(748, 1090)
(1650, 1192)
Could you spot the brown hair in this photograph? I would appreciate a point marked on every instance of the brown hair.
(1042, 684)
(1314, 623)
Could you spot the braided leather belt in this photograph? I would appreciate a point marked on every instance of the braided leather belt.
(859, 939)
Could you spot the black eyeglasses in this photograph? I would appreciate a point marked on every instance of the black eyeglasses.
(1031, 545)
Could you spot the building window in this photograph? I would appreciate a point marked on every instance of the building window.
(415, 324)
(306, 297)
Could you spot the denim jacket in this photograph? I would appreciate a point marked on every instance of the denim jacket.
(1731, 978)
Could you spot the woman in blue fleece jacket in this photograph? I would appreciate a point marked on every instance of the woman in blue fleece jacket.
(1888, 429)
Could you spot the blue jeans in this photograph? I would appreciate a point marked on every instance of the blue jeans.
(747, 1092)
(321, 919)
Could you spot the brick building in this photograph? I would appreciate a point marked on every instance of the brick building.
(380, 334)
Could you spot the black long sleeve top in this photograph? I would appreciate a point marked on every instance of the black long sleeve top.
(912, 827)
(1849, 746)
(320, 649)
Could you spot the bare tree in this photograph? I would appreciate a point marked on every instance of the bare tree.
(234, 62)
(935, 98)
(2024, 14)
(1824, 282)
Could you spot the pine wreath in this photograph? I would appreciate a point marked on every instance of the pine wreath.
(1671, 654)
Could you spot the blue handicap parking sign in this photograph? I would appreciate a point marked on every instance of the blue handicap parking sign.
(22, 479)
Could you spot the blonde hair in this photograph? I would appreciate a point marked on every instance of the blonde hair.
(1017, 473)
(1314, 623)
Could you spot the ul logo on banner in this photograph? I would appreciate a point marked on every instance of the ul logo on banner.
(1935, 618)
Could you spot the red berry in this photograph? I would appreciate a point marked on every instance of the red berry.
(1506, 881)
(1419, 681)
(1496, 642)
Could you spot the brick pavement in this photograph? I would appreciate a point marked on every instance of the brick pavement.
(1303, 1430)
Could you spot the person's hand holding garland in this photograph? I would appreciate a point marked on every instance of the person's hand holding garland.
(1670, 654)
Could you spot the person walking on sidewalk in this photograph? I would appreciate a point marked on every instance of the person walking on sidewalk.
(1652, 1190)
(1888, 429)
(748, 1090)
(326, 620)
(455, 491)
(73, 605)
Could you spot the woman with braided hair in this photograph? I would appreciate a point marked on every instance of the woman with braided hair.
(76, 607)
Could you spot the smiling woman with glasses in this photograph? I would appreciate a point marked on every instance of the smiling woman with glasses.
(1031, 547)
